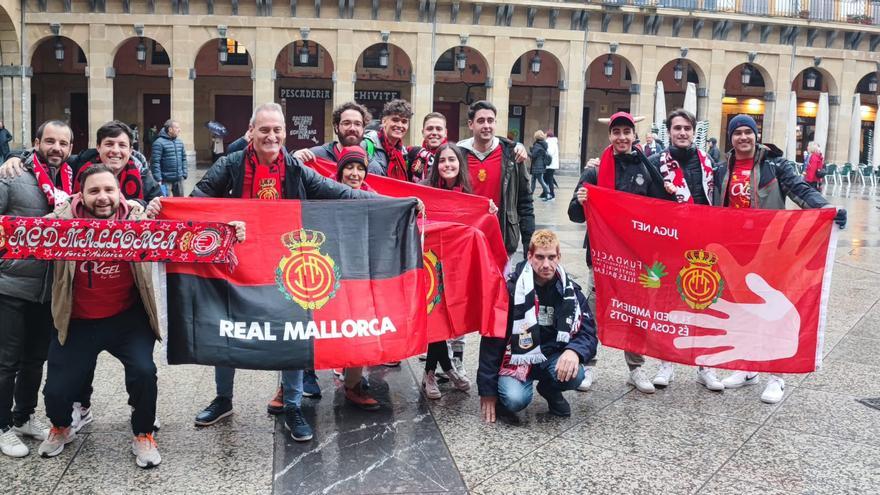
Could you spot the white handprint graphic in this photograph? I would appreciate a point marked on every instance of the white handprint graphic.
(755, 332)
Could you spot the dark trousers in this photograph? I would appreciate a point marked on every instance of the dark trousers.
(129, 338)
(540, 178)
(174, 188)
(25, 329)
(551, 182)
(438, 353)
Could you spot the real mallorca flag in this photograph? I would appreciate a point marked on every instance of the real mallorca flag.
(318, 284)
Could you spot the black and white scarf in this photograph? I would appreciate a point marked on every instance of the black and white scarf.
(524, 348)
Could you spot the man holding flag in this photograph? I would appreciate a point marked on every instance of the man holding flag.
(265, 171)
(25, 287)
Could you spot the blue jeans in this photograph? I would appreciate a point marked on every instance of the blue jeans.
(540, 179)
(516, 395)
(291, 382)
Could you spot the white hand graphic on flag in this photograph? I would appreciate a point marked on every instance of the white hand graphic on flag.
(755, 332)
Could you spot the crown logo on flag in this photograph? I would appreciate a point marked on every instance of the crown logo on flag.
(303, 238)
(700, 257)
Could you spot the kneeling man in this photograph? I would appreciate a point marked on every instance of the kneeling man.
(550, 334)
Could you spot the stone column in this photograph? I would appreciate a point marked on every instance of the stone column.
(100, 86)
(778, 119)
(182, 89)
(344, 65)
(643, 102)
(571, 108)
(840, 115)
(423, 89)
(716, 75)
(499, 93)
(264, 64)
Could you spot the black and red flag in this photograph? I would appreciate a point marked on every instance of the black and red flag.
(319, 284)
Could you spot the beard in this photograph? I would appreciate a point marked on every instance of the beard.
(53, 161)
(351, 139)
(104, 212)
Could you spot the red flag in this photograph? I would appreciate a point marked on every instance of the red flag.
(440, 205)
(464, 293)
(320, 284)
(722, 287)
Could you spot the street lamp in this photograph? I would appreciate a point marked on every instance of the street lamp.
(383, 56)
(304, 53)
(461, 60)
(678, 71)
(609, 67)
(535, 64)
(746, 75)
(222, 51)
(141, 51)
(59, 49)
(810, 78)
(872, 84)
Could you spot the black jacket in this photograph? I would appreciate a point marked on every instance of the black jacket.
(225, 179)
(492, 349)
(634, 174)
(540, 158)
(773, 179)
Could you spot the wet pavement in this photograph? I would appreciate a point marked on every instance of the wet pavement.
(683, 439)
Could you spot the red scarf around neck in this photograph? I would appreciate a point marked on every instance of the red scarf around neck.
(396, 162)
(47, 185)
(607, 169)
(130, 182)
(262, 181)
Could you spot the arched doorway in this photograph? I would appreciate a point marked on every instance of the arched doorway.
(223, 92)
(460, 75)
(808, 87)
(744, 90)
(534, 95)
(59, 89)
(609, 82)
(141, 88)
(675, 76)
(304, 88)
(384, 73)
(868, 91)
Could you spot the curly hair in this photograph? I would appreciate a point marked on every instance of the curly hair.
(351, 105)
(543, 238)
(397, 107)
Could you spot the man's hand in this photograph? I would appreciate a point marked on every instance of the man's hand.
(420, 207)
(487, 408)
(304, 155)
(493, 208)
(567, 366)
(582, 195)
(520, 153)
(11, 168)
(753, 332)
(670, 187)
(593, 163)
(239, 229)
(840, 218)
(154, 208)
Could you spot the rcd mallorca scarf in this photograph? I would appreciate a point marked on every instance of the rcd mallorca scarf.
(672, 172)
(44, 180)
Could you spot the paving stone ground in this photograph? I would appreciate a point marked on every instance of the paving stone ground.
(684, 439)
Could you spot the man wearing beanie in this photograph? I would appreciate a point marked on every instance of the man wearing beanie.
(753, 167)
(623, 167)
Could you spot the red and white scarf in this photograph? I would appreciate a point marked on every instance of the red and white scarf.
(130, 181)
(397, 168)
(672, 172)
(47, 185)
(262, 181)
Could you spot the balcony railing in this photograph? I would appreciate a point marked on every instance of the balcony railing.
(849, 11)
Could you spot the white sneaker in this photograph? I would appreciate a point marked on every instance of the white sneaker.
(81, 416)
(589, 378)
(460, 381)
(638, 379)
(34, 428)
(739, 379)
(429, 383)
(55, 442)
(458, 366)
(665, 375)
(774, 391)
(708, 378)
(11, 445)
(146, 451)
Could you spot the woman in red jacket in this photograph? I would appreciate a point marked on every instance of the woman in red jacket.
(814, 165)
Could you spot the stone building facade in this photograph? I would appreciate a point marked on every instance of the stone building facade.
(545, 64)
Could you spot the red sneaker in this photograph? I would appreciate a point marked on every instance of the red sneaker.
(359, 398)
(276, 405)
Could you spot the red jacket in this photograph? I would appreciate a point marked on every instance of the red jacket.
(816, 162)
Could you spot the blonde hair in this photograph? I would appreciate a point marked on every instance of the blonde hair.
(543, 238)
(813, 147)
(539, 135)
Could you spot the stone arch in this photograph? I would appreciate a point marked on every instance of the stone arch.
(128, 48)
(9, 36)
(769, 82)
(74, 36)
(596, 79)
(545, 55)
(829, 84)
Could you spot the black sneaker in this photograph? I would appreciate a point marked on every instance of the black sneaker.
(555, 401)
(218, 409)
(310, 384)
(297, 425)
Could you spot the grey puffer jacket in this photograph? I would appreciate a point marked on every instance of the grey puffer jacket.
(168, 160)
(30, 280)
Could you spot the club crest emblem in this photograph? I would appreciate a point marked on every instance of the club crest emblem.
(435, 279)
(267, 189)
(307, 276)
(526, 341)
(482, 175)
(206, 242)
(699, 284)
